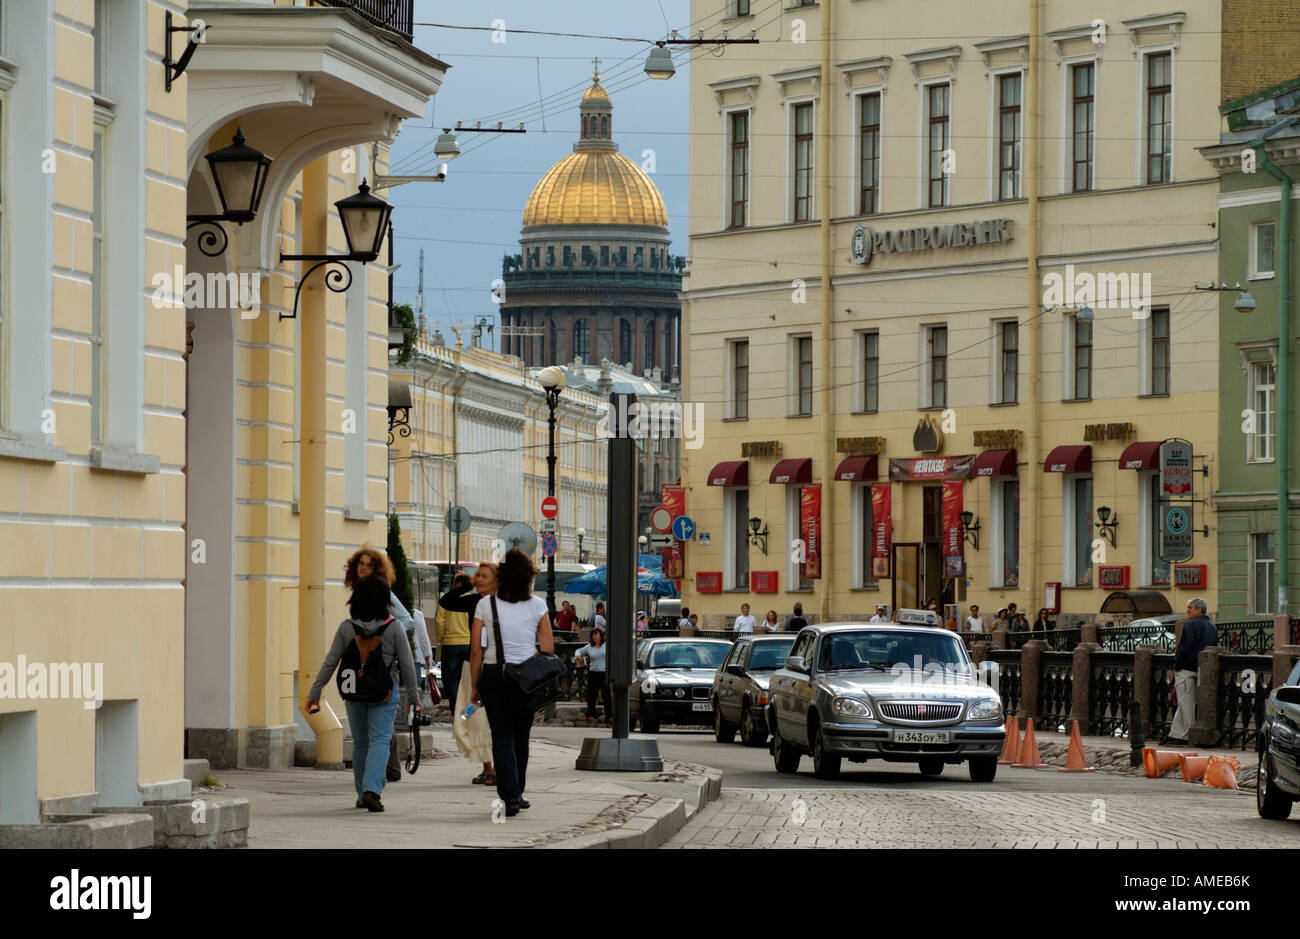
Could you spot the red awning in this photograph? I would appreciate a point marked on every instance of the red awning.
(995, 463)
(734, 473)
(1069, 460)
(857, 468)
(792, 471)
(1145, 454)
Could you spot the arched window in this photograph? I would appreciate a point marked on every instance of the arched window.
(649, 344)
(624, 341)
(582, 339)
(604, 126)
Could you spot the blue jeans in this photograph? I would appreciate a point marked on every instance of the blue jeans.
(372, 729)
(453, 661)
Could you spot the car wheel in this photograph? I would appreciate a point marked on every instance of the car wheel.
(983, 768)
(825, 766)
(723, 730)
(931, 765)
(1270, 801)
(785, 756)
(649, 722)
(751, 735)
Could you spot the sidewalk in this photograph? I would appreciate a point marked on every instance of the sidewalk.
(439, 808)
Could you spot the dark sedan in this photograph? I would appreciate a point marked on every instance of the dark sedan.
(674, 681)
(1278, 744)
(740, 688)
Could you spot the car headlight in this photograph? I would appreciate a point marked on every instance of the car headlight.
(851, 707)
(985, 710)
(680, 692)
(649, 686)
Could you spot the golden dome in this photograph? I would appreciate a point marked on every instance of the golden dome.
(595, 95)
(595, 187)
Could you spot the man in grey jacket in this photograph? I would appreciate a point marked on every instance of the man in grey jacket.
(1198, 633)
(371, 724)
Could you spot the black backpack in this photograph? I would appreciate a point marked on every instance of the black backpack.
(363, 676)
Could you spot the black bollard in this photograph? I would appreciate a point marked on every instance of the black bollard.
(1136, 740)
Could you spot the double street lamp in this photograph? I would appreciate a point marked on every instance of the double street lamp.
(582, 557)
(552, 381)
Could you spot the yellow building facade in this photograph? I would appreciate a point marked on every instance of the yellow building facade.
(1033, 352)
(152, 394)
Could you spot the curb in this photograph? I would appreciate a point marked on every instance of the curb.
(655, 824)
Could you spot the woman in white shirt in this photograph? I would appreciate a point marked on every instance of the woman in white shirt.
(524, 624)
(594, 654)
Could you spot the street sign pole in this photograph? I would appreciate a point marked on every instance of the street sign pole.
(619, 751)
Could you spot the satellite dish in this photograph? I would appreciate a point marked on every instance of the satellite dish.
(519, 535)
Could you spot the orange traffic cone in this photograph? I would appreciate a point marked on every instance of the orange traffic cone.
(1221, 772)
(1193, 766)
(1012, 746)
(1158, 762)
(1029, 750)
(1074, 760)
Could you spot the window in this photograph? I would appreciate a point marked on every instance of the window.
(871, 372)
(1081, 333)
(604, 126)
(1009, 136)
(864, 522)
(1160, 351)
(97, 292)
(1008, 365)
(804, 374)
(1261, 249)
(740, 379)
(739, 169)
(624, 341)
(1083, 87)
(869, 150)
(586, 255)
(937, 99)
(736, 521)
(794, 568)
(1261, 395)
(937, 356)
(649, 344)
(742, 8)
(1009, 517)
(101, 47)
(582, 339)
(550, 255)
(1156, 568)
(568, 256)
(1159, 118)
(1263, 573)
(604, 261)
(803, 162)
(1078, 531)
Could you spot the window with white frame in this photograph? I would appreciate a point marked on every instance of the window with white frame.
(738, 359)
(1078, 359)
(1261, 404)
(735, 510)
(1159, 117)
(801, 376)
(1083, 125)
(1159, 352)
(1263, 573)
(1004, 531)
(869, 154)
(740, 8)
(869, 362)
(1006, 365)
(1261, 250)
(803, 162)
(1009, 135)
(935, 388)
(794, 568)
(1076, 530)
(738, 169)
(863, 533)
(938, 99)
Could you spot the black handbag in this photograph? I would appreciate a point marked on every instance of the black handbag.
(537, 677)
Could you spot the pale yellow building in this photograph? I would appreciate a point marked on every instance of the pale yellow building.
(154, 499)
(920, 149)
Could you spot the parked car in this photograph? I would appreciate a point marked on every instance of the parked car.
(862, 691)
(674, 681)
(1149, 630)
(740, 688)
(1278, 744)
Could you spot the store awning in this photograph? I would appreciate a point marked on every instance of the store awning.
(1137, 602)
(1069, 460)
(857, 468)
(733, 473)
(995, 463)
(792, 471)
(1143, 455)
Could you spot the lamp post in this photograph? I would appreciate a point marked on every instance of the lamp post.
(239, 175)
(552, 382)
(581, 533)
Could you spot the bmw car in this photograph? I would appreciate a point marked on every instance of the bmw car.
(1278, 744)
(674, 681)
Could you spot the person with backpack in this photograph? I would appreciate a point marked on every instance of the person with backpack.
(509, 627)
(370, 651)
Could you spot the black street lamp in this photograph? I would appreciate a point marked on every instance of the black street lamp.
(552, 382)
(582, 557)
(239, 173)
(365, 222)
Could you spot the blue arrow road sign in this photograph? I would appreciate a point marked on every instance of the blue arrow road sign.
(683, 528)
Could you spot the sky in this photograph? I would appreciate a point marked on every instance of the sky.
(467, 223)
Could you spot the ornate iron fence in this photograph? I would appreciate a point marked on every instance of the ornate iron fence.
(1056, 689)
(1246, 637)
(727, 634)
(1007, 679)
(1245, 682)
(1159, 703)
(1110, 693)
(1128, 638)
(397, 16)
(1295, 631)
(1017, 638)
(1062, 640)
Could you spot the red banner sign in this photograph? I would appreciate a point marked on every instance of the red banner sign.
(674, 500)
(882, 533)
(708, 582)
(953, 561)
(762, 581)
(810, 529)
(1189, 575)
(931, 468)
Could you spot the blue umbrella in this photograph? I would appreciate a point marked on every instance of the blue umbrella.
(595, 583)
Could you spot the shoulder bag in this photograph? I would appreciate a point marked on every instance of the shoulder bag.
(537, 677)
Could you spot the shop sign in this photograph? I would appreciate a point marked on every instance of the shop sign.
(762, 581)
(997, 439)
(1097, 432)
(1112, 576)
(954, 564)
(760, 448)
(810, 529)
(1176, 532)
(708, 582)
(860, 446)
(673, 498)
(881, 530)
(1189, 575)
(931, 468)
(927, 438)
(900, 240)
(1176, 467)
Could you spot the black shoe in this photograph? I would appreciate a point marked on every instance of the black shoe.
(360, 804)
(1176, 741)
(371, 801)
(512, 809)
(394, 778)
(525, 804)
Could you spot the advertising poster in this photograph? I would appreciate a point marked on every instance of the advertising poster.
(810, 529)
(953, 560)
(881, 537)
(674, 500)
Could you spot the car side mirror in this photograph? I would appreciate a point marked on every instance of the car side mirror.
(736, 669)
(796, 663)
(1289, 694)
(640, 663)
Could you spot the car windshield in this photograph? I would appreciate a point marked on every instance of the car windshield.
(884, 650)
(770, 655)
(688, 654)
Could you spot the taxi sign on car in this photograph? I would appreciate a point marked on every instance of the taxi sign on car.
(907, 617)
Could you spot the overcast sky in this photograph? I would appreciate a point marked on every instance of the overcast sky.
(468, 222)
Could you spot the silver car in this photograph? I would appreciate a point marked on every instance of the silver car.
(903, 694)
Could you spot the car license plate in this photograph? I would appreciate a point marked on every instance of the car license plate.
(701, 706)
(922, 736)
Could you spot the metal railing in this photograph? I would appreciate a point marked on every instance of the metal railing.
(1246, 636)
(1110, 694)
(1056, 690)
(1058, 640)
(1245, 682)
(1008, 679)
(1159, 703)
(1128, 638)
(397, 16)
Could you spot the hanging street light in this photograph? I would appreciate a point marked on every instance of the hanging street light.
(659, 63)
(239, 175)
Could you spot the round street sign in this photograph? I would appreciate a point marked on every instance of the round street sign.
(550, 544)
(661, 519)
(519, 535)
(683, 528)
(458, 519)
(549, 507)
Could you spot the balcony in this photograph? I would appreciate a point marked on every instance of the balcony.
(397, 16)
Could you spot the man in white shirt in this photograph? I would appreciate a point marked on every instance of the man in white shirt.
(880, 616)
(744, 622)
(975, 622)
